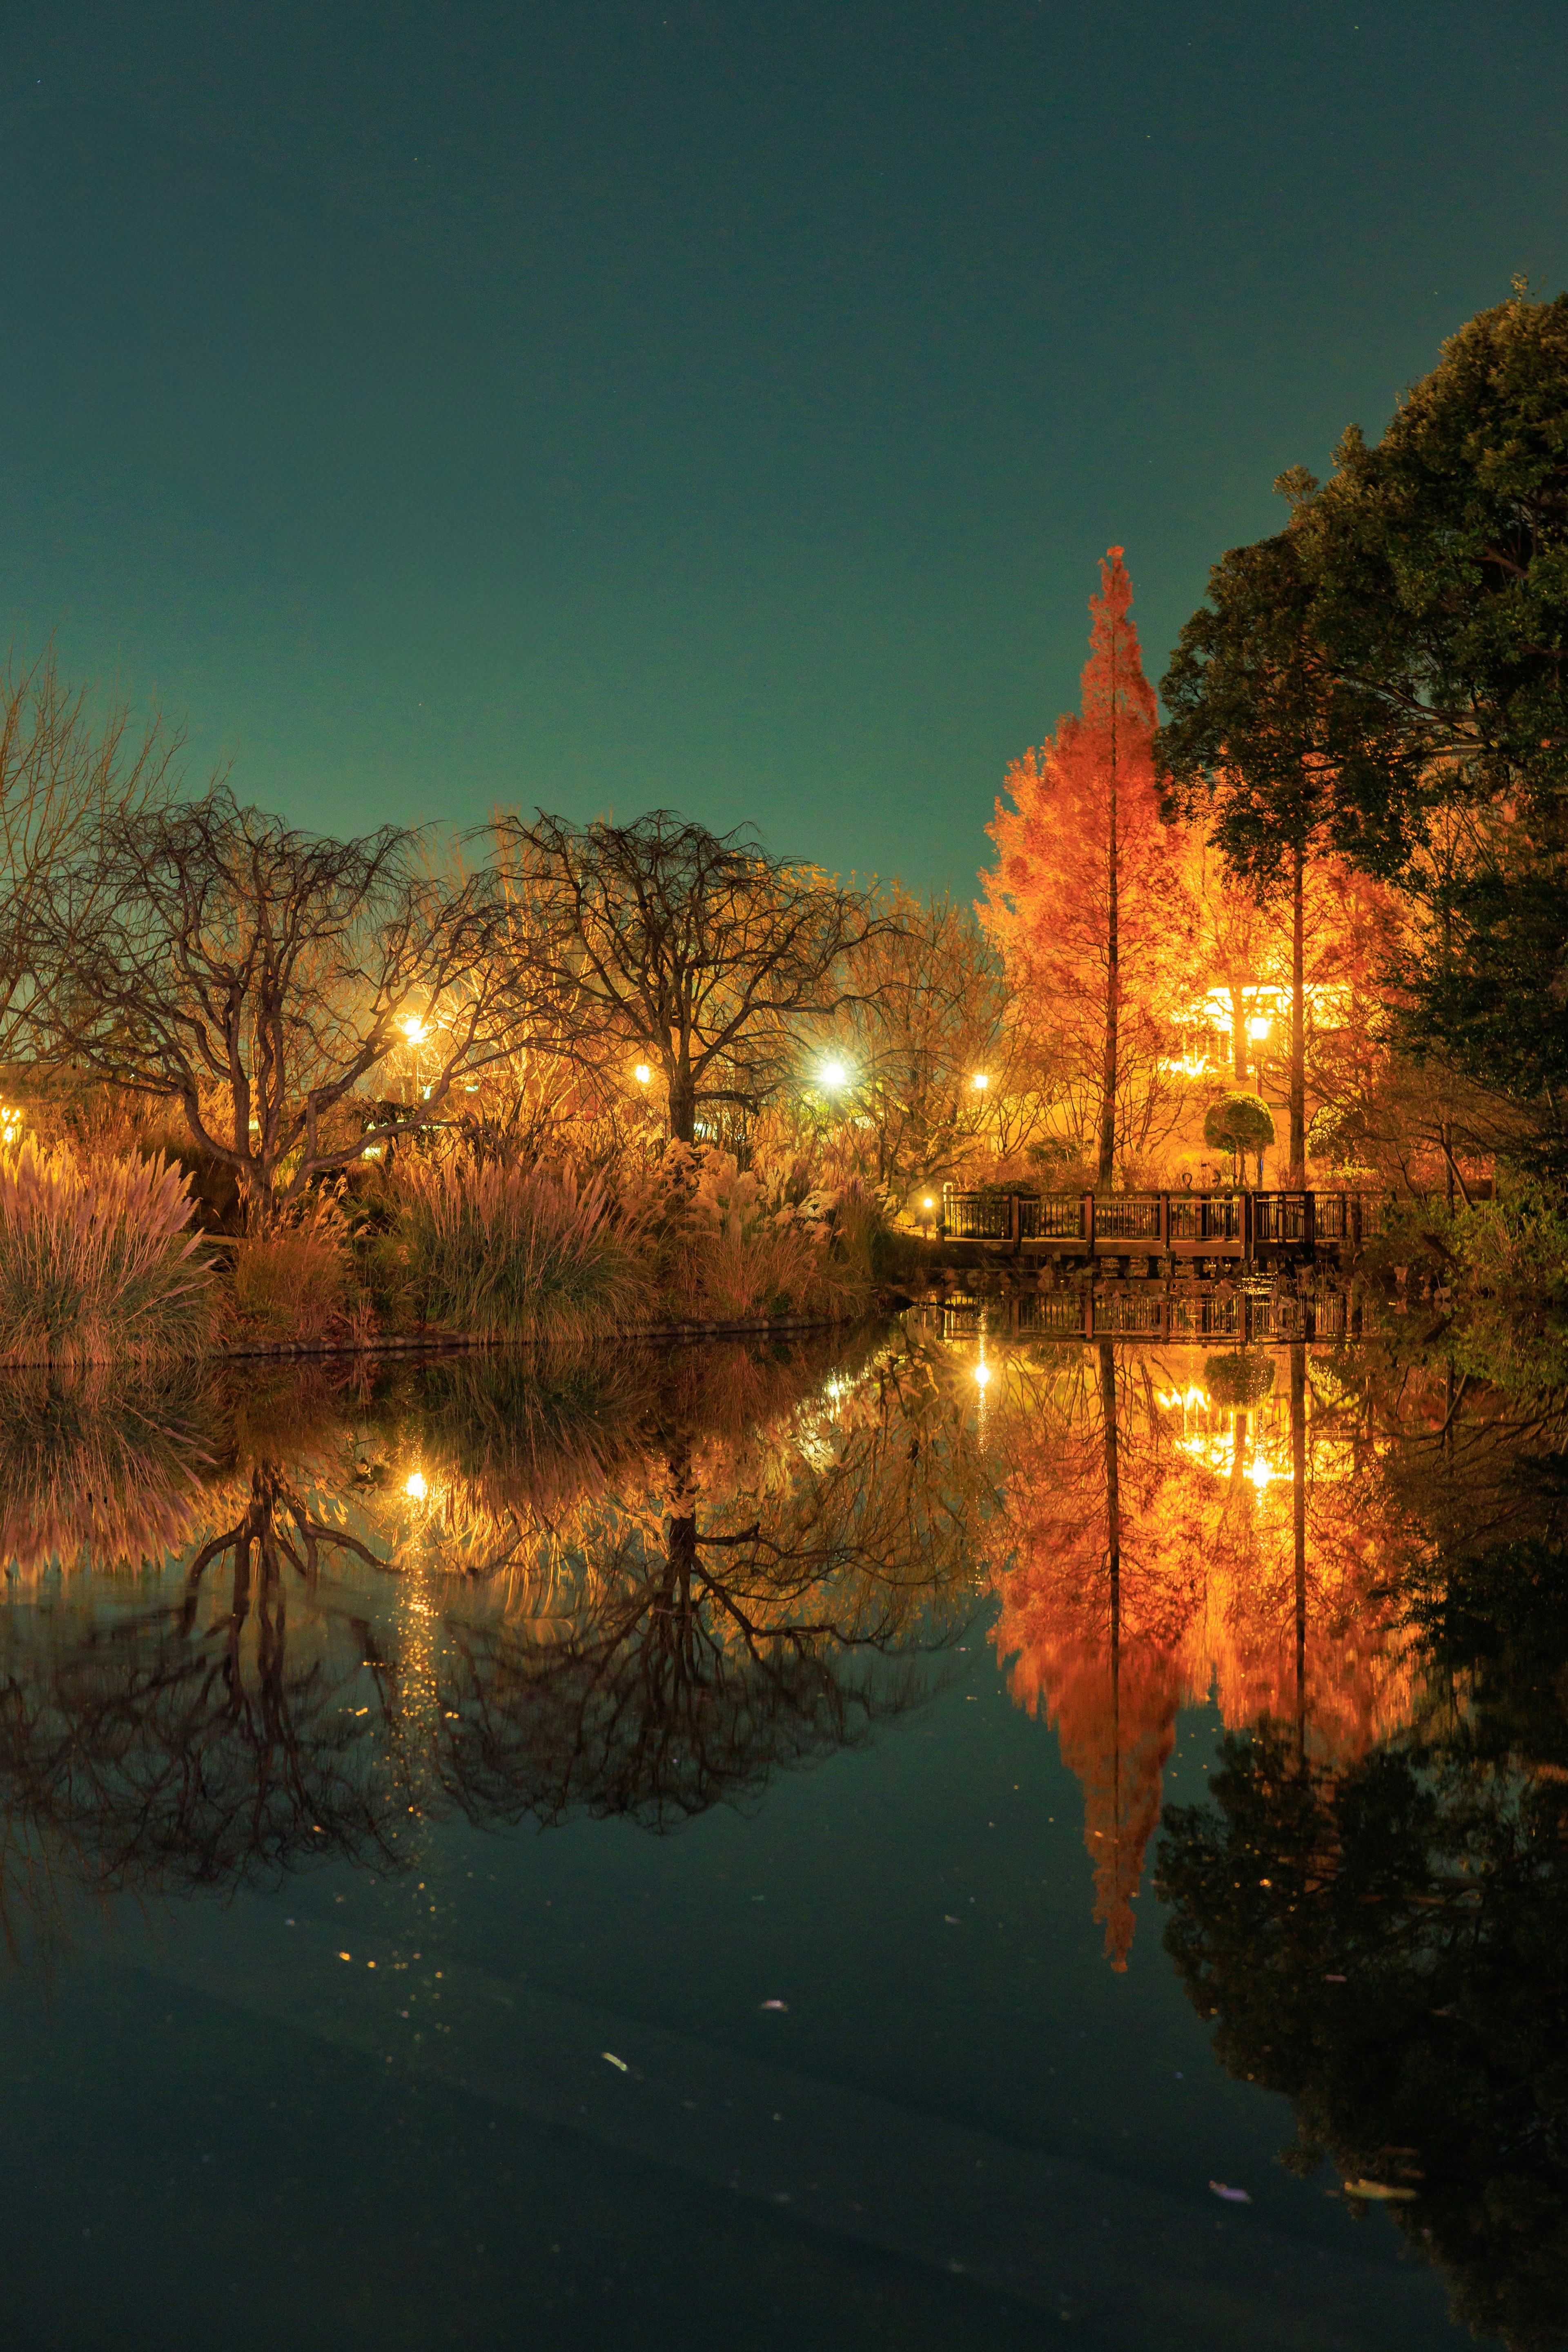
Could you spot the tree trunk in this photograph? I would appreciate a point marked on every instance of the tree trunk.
(1297, 1021)
(1113, 1007)
(682, 1103)
(1238, 1033)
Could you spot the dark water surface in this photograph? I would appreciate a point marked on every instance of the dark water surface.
(668, 1852)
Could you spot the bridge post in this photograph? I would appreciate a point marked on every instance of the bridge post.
(1088, 1224)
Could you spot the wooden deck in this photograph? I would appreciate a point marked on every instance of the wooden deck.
(1218, 1229)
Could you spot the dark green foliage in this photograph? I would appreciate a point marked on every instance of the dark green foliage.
(1388, 678)
(1433, 1878)
(1238, 1122)
(1242, 1377)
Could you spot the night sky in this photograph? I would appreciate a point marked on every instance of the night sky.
(722, 406)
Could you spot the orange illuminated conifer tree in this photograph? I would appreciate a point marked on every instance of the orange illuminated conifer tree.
(1085, 900)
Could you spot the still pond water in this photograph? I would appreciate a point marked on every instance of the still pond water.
(828, 1845)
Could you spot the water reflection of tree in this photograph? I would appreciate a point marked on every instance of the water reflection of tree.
(343, 1636)
(1387, 1945)
(204, 1742)
(781, 1595)
(1162, 1538)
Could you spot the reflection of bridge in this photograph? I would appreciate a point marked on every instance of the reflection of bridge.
(1234, 1227)
(1185, 1313)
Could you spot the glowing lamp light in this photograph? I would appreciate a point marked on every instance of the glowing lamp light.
(1260, 1025)
(928, 1204)
(980, 1082)
(982, 1375)
(642, 1074)
(414, 1029)
(833, 1073)
(416, 1487)
(1259, 1472)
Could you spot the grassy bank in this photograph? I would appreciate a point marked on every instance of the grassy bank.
(103, 1257)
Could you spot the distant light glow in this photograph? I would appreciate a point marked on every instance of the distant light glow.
(1259, 1472)
(415, 1485)
(833, 1073)
(982, 1375)
(929, 1204)
(1260, 1025)
(642, 1074)
(980, 1082)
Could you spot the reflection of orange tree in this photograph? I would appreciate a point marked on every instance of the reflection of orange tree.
(1159, 1542)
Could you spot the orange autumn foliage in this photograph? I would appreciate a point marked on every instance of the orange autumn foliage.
(1154, 1550)
(1086, 901)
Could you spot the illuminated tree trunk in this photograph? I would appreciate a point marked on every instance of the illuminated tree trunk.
(682, 1100)
(1112, 986)
(1238, 1031)
(1298, 1016)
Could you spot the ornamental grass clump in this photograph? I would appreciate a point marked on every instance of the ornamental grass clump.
(98, 1263)
(740, 1246)
(522, 1254)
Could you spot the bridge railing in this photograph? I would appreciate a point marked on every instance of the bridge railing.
(1233, 1224)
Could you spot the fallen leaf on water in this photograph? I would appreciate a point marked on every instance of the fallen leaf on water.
(1231, 2195)
(1378, 2188)
(775, 2004)
(613, 2061)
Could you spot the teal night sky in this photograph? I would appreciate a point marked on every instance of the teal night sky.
(721, 405)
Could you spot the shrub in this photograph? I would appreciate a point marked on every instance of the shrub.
(522, 1254)
(737, 1245)
(292, 1282)
(98, 1261)
(1238, 1123)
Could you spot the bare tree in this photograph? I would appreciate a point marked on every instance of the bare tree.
(698, 951)
(263, 976)
(62, 773)
(942, 1064)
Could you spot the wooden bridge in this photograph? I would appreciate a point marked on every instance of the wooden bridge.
(1218, 1229)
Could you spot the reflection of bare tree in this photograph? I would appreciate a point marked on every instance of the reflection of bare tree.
(326, 1651)
(742, 1629)
(205, 1743)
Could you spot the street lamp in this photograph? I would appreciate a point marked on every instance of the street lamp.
(980, 1082)
(642, 1074)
